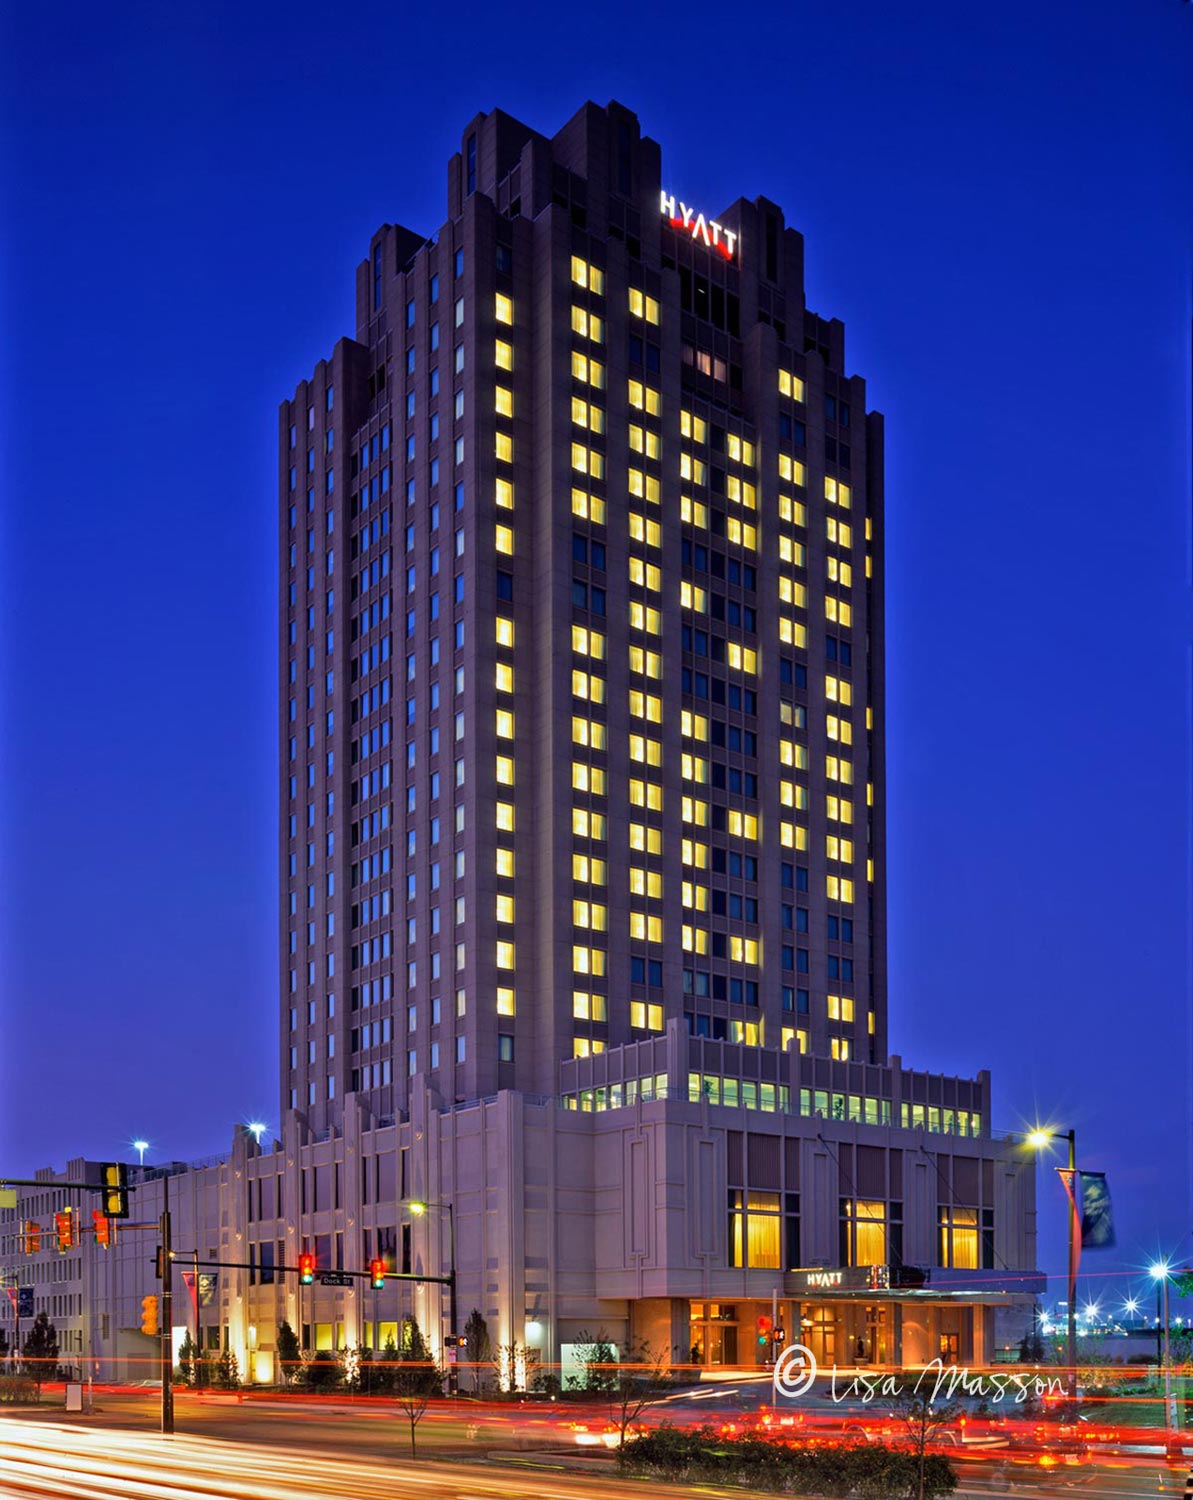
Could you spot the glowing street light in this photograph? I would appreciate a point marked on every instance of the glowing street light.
(1040, 1139)
(419, 1207)
(256, 1128)
(140, 1147)
(1160, 1271)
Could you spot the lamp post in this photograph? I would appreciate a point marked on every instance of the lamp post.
(418, 1207)
(1160, 1272)
(1038, 1139)
(140, 1147)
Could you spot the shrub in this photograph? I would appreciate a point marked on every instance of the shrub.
(868, 1473)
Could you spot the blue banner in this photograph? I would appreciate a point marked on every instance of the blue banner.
(1097, 1216)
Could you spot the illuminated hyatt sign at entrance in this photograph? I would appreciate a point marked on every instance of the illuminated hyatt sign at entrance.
(686, 219)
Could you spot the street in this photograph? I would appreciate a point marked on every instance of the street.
(295, 1451)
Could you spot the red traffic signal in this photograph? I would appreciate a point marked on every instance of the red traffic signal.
(377, 1274)
(64, 1230)
(764, 1324)
(306, 1269)
(103, 1228)
(32, 1237)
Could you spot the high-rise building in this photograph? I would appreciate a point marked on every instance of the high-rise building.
(581, 641)
(582, 797)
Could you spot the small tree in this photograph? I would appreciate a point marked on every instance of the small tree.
(188, 1360)
(922, 1420)
(513, 1366)
(322, 1372)
(477, 1346)
(227, 1371)
(289, 1354)
(381, 1377)
(640, 1377)
(416, 1379)
(41, 1351)
(599, 1359)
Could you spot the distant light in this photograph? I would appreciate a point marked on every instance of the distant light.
(417, 1209)
(1159, 1270)
(257, 1130)
(140, 1147)
(1130, 1305)
(1038, 1139)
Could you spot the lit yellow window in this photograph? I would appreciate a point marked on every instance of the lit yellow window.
(588, 732)
(694, 768)
(838, 769)
(645, 619)
(837, 690)
(504, 495)
(645, 1017)
(695, 811)
(646, 883)
(791, 385)
(838, 848)
(643, 440)
(587, 1007)
(589, 914)
(794, 512)
(588, 325)
(504, 308)
(837, 888)
(692, 725)
(645, 928)
(840, 1007)
(588, 686)
(503, 539)
(588, 642)
(837, 611)
(504, 724)
(646, 794)
(694, 939)
(695, 854)
(642, 530)
(838, 532)
(646, 840)
(503, 355)
(586, 824)
(505, 770)
(503, 862)
(591, 507)
(791, 591)
(741, 825)
(839, 729)
(642, 306)
(503, 631)
(692, 596)
(503, 401)
(504, 447)
(504, 677)
(505, 955)
(649, 663)
(793, 632)
(588, 960)
(587, 778)
(838, 809)
(643, 750)
(644, 706)
(692, 511)
(505, 817)
(743, 950)
(646, 575)
(793, 836)
(839, 572)
(643, 398)
(505, 909)
(694, 897)
(505, 1001)
(839, 1048)
(741, 658)
(742, 534)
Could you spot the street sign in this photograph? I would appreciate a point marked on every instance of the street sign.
(335, 1278)
(24, 1302)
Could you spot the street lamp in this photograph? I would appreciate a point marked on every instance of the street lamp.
(257, 1129)
(140, 1147)
(1038, 1140)
(1160, 1273)
(418, 1207)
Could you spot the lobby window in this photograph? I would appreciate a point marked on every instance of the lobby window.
(958, 1237)
(863, 1232)
(755, 1223)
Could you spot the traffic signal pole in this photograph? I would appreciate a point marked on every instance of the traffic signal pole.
(167, 1323)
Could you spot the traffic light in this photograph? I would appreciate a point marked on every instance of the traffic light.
(64, 1230)
(764, 1324)
(377, 1274)
(306, 1269)
(149, 1325)
(32, 1237)
(114, 1180)
(455, 1341)
(103, 1228)
(780, 1335)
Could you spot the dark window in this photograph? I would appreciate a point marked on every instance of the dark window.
(472, 164)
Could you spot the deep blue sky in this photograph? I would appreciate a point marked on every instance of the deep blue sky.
(997, 200)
